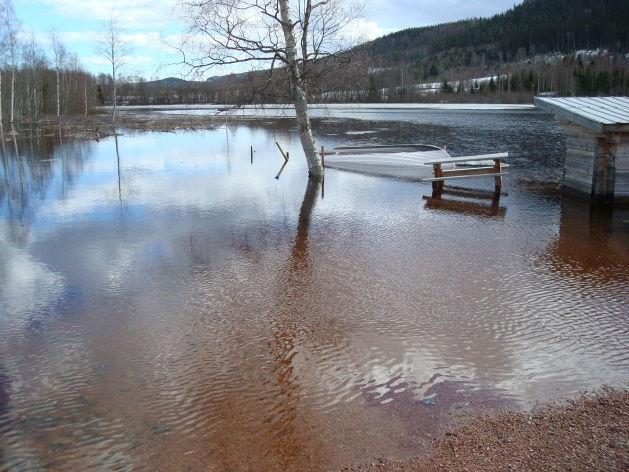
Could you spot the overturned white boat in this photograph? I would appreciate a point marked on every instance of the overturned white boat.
(408, 161)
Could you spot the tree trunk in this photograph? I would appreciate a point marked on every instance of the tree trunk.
(27, 105)
(12, 94)
(315, 169)
(1, 128)
(113, 78)
(85, 94)
(113, 117)
(58, 85)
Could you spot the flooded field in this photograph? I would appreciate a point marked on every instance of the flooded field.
(167, 303)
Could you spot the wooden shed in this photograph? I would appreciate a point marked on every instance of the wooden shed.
(597, 144)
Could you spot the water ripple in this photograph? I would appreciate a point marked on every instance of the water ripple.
(210, 316)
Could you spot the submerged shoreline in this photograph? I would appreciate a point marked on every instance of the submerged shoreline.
(156, 117)
(339, 106)
(97, 126)
(588, 433)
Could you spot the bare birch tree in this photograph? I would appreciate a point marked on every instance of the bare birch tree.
(85, 81)
(59, 57)
(301, 37)
(10, 30)
(114, 50)
(33, 61)
(1, 66)
(1, 125)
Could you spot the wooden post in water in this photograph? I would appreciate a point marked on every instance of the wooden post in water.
(437, 186)
(285, 155)
(322, 157)
(251, 154)
(497, 179)
(281, 170)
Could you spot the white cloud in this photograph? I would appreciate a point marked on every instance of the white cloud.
(139, 59)
(94, 60)
(132, 13)
(151, 40)
(362, 29)
(70, 37)
(27, 284)
(97, 60)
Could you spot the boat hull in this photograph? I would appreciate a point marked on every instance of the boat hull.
(408, 165)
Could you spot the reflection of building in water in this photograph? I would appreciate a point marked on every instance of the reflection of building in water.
(591, 239)
(466, 201)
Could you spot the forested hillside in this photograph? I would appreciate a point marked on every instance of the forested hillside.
(569, 47)
(533, 27)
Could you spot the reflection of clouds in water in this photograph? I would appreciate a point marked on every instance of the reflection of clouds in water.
(154, 192)
(26, 286)
(186, 171)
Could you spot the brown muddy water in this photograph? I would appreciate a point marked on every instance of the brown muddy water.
(166, 303)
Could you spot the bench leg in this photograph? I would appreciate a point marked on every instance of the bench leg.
(437, 189)
(498, 179)
(498, 184)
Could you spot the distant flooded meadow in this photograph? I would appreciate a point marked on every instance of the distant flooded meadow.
(167, 302)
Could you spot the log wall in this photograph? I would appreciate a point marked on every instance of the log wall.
(581, 150)
(621, 190)
(596, 165)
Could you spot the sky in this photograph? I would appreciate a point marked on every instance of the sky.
(150, 24)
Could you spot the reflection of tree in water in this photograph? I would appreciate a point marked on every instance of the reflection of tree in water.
(118, 167)
(295, 299)
(29, 171)
(5, 386)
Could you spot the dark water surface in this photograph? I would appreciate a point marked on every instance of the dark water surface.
(167, 303)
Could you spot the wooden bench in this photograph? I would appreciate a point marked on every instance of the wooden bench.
(440, 174)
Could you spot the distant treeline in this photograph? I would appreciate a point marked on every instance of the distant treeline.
(33, 84)
(570, 75)
(36, 91)
(135, 90)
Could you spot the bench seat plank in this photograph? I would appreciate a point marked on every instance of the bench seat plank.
(439, 179)
(481, 157)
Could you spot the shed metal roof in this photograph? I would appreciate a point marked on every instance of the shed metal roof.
(600, 114)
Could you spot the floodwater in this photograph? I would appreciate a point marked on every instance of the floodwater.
(167, 303)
